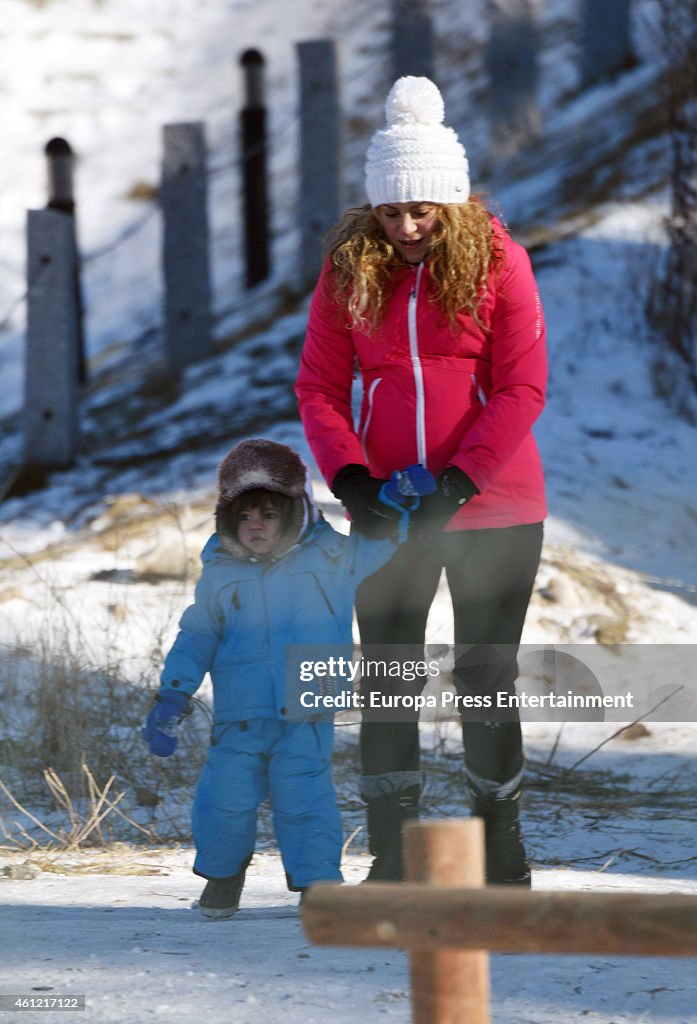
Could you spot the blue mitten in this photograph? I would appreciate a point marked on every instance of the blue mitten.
(403, 492)
(406, 486)
(160, 729)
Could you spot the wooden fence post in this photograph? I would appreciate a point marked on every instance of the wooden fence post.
(320, 152)
(512, 69)
(412, 38)
(183, 196)
(449, 986)
(60, 165)
(51, 366)
(606, 43)
(253, 144)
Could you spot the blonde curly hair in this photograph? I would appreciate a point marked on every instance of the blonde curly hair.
(463, 251)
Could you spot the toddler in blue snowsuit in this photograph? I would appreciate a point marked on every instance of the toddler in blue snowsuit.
(274, 573)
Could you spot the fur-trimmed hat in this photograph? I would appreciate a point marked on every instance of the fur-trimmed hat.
(259, 463)
(415, 158)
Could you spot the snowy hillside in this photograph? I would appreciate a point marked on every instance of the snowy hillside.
(96, 566)
(108, 74)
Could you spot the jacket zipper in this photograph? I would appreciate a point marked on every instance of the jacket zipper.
(418, 371)
(369, 414)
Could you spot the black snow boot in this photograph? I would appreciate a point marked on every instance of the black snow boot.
(221, 897)
(386, 815)
(506, 862)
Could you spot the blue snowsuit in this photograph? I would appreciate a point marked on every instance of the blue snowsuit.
(245, 613)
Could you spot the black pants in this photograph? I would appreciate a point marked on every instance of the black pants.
(490, 575)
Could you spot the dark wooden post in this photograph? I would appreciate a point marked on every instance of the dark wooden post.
(606, 43)
(320, 152)
(184, 199)
(512, 70)
(253, 145)
(412, 38)
(448, 986)
(50, 378)
(60, 165)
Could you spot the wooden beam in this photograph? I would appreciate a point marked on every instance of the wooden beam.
(448, 986)
(415, 916)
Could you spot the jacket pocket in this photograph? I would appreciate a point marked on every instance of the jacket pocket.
(317, 609)
(325, 595)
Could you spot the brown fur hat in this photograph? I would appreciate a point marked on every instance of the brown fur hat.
(273, 467)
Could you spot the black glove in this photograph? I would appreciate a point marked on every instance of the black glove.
(455, 489)
(359, 493)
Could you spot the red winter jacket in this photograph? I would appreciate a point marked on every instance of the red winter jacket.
(466, 398)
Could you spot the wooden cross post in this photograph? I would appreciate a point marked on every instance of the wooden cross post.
(440, 917)
(449, 986)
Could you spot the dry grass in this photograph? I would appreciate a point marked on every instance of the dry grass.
(75, 692)
(82, 825)
(74, 768)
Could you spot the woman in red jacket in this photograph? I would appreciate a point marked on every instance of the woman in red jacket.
(427, 294)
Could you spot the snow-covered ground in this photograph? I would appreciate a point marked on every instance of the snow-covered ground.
(132, 944)
(154, 957)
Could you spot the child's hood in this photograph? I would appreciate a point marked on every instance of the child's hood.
(275, 467)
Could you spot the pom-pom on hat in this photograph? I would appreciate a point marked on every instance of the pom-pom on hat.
(415, 158)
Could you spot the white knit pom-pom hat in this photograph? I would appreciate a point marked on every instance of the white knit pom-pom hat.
(415, 158)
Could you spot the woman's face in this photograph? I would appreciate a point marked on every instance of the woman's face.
(409, 228)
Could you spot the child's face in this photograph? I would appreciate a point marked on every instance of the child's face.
(259, 529)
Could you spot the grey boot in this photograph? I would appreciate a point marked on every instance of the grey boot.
(221, 897)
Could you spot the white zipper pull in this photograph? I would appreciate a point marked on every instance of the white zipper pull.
(480, 394)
